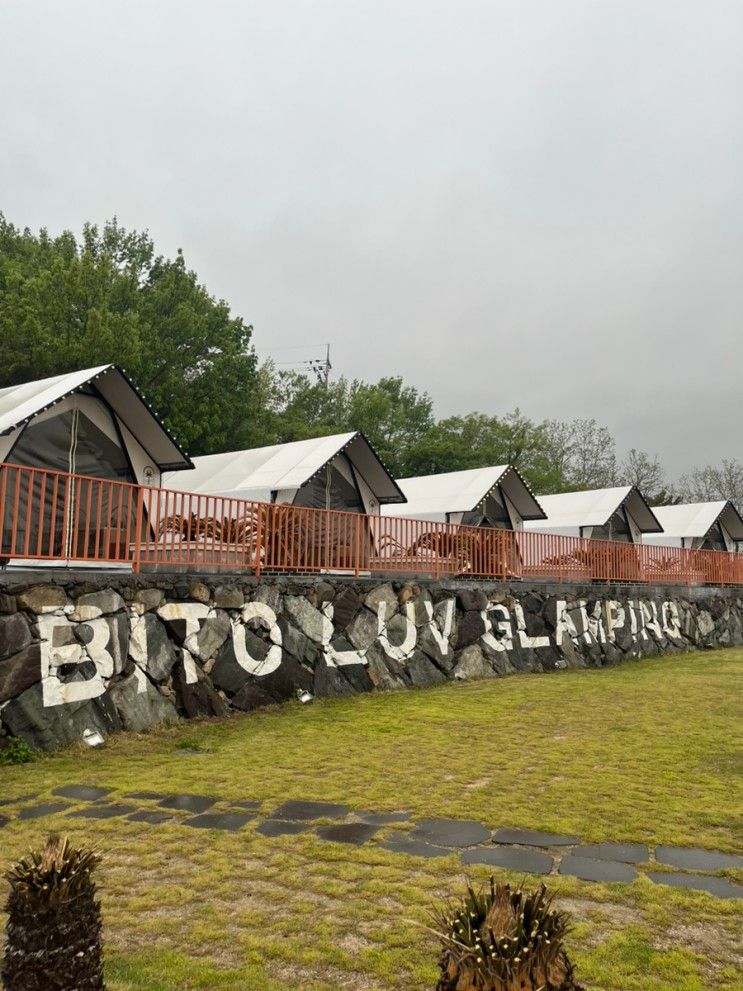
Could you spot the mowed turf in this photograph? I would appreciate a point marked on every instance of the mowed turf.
(649, 752)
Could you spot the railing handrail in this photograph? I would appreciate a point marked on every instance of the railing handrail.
(47, 514)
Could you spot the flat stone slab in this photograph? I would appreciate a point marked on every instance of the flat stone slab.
(533, 837)
(383, 818)
(348, 832)
(588, 869)
(83, 793)
(43, 809)
(512, 859)
(718, 886)
(231, 821)
(188, 803)
(149, 796)
(692, 859)
(450, 832)
(280, 827)
(103, 811)
(310, 810)
(17, 801)
(3, 821)
(414, 848)
(624, 853)
(150, 816)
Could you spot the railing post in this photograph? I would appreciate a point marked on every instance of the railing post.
(258, 541)
(137, 556)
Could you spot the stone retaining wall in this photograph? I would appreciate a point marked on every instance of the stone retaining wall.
(127, 652)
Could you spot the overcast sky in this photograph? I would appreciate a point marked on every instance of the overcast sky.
(507, 203)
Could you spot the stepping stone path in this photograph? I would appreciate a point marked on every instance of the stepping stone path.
(623, 853)
(280, 827)
(450, 832)
(533, 837)
(508, 848)
(401, 843)
(103, 811)
(310, 810)
(718, 886)
(231, 821)
(691, 859)
(188, 803)
(150, 816)
(588, 869)
(511, 858)
(349, 832)
(44, 809)
(83, 793)
(383, 818)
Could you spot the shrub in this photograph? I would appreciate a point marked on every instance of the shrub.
(499, 939)
(54, 922)
(16, 751)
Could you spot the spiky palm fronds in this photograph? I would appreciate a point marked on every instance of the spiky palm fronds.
(54, 922)
(500, 939)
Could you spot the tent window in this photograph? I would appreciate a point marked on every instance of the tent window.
(493, 514)
(331, 489)
(714, 541)
(72, 442)
(617, 528)
(72, 517)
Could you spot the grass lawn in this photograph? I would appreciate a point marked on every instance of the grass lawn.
(649, 751)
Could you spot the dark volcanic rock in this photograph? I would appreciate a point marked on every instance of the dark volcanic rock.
(197, 698)
(140, 710)
(49, 727)
(19, 672)
(469, 630)
(14, 634)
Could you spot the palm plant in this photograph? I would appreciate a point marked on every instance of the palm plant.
(54, 922)
(499, 939)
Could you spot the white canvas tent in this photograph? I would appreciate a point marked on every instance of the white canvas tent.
(496, 496)
(337, 472)
(93, 422)
(715, 526)
(618, 513)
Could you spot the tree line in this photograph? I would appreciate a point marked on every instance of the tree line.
(70, 302)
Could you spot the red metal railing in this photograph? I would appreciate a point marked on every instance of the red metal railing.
(57, 517)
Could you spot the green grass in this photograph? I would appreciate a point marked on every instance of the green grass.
(648, 751)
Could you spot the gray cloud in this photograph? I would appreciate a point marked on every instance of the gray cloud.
(525, 203)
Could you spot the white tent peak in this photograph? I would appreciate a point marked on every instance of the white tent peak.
(20, 403)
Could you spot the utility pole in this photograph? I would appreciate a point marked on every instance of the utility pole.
(328, 366)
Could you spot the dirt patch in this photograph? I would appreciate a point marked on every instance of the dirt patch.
(292, 975)
(584, 910)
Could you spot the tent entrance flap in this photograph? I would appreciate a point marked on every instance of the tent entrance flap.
(78, 436)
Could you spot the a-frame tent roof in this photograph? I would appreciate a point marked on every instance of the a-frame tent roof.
(433, 497)
(262, 471)
(595, 507)
(21, 403)
(695, 519)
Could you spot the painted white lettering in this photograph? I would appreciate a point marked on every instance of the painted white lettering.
(402, 651)
(524, 638)
(503, 627)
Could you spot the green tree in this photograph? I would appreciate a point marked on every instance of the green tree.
(68, 303)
